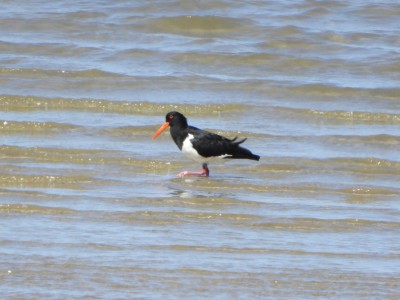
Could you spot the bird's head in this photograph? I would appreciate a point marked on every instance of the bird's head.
(172, 119)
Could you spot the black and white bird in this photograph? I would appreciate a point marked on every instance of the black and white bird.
(200, 145)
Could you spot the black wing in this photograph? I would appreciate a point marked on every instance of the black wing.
(209, 144)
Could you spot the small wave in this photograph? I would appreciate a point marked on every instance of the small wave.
(370, 191)
(45, 73)
(196, 25)
(52, 155)
(379, 140)
(363, 166)
(171, 217)
(357, 116)
(223, 60)
(391, 66)
(340, 116)
(330, 90)
(48, 49)
(71, 182)
(14, 127)
(378, 12)
(326, 225)
(28, 103)
(34, 209)
(72, 156)
(129, 132)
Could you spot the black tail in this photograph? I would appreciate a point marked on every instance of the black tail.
(240, 152)
(245, 155)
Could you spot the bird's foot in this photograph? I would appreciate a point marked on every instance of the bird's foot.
(205, 172)
(188, 173)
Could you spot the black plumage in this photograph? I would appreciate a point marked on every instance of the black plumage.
(209, 144)
(202, 145)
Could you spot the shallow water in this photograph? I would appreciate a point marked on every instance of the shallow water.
(91, 207)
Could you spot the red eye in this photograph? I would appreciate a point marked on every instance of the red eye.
(171, 117)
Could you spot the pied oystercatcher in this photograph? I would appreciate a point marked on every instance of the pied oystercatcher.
(201, 145)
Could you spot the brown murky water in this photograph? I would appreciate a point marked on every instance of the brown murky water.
(90, 206)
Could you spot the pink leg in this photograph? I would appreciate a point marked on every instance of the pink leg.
(204, 172)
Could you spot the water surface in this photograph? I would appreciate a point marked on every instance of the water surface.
(91, 207)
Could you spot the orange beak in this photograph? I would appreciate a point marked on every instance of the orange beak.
(160, 130)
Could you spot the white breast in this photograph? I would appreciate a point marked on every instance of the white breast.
(190, 152)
